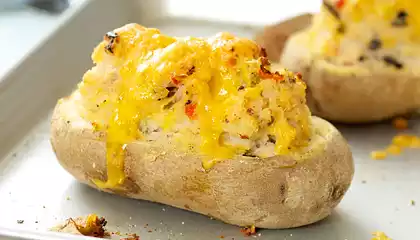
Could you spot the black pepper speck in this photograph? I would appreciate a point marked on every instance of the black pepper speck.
(401, 19)
(389, 60)
(375, 44)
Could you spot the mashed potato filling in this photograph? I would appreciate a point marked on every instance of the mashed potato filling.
(354, 31)
(215, 96)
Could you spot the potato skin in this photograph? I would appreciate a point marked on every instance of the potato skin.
(360, 93)
(278, 192)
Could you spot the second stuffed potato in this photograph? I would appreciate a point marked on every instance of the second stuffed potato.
(203, 125)
(359, 59)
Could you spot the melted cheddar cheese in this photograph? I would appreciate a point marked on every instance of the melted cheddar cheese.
(215, 95)
(360, 30)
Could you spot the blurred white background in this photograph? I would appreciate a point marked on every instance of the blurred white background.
(252, 12)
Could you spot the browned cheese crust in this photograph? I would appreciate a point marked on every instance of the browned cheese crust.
(351, 94)
(277, 192)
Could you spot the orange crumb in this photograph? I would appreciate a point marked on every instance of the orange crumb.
(393, 149)
(399, 143)
(378, 155)
(400, 123)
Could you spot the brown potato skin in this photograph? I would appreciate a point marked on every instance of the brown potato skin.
(278, 192)
(359, 93)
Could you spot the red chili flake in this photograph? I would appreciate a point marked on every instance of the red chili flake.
(265, 74)
(174, 80)
(231, 61)
(278, 77)
(244, 136)
(95, 125)
(299, 75)
(190, 110)
(248, 231)
(340, 4)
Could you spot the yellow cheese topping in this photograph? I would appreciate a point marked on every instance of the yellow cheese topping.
(215, 94)
(352, 30)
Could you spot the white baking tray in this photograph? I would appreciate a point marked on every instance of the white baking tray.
(34, 188)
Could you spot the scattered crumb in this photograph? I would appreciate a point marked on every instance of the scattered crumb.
(149, 231)
(132, 237)
(412, 202)
(248, 231)
(364, 181)
(399, 143)
(400, 123)
(181, 234)
(182, 223)
(67, 198)
(291, 234)
(20, 221)
(91, 225)
(380, 236)
(378, 155)
(36, 222)
(163, 209)
(130, 218)
(43, 206)
(259, 234)
(222, 236)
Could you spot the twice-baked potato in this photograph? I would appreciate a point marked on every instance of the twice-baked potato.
(203, 125)
(359, 59)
